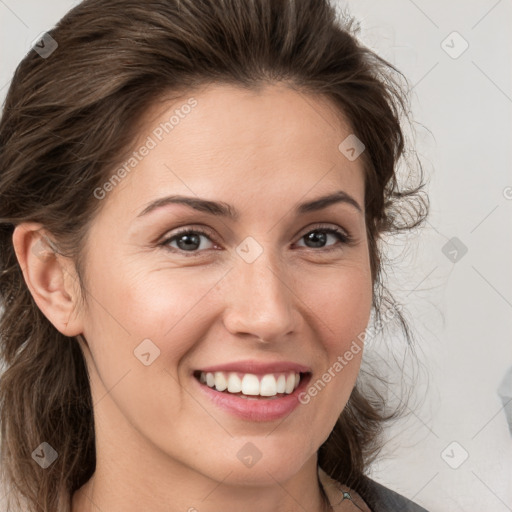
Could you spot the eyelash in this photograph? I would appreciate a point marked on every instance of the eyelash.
(343, 237)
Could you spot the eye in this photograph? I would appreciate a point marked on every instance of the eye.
(188, 240)
(319, 241)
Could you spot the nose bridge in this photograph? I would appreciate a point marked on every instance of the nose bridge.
(261, 299)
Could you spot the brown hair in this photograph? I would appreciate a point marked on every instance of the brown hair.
(69, 118)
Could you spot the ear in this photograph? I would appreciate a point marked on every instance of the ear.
(50, 277)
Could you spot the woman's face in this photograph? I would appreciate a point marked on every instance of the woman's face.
(268, 287)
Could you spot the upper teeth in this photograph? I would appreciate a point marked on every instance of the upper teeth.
(250, 384)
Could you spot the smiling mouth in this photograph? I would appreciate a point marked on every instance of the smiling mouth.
(251, 386)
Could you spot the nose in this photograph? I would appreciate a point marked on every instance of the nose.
(260, 301)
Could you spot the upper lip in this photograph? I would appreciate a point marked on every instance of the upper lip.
(257, 367)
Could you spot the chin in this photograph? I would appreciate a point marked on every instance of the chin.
(279, 465)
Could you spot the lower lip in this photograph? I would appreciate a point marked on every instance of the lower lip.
(259, 409)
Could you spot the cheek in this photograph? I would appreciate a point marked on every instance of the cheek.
(170, 307)
(151, 303)
(141, 317)
(342, 305)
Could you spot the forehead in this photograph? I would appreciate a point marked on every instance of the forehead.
(226, 117)
(239, 142)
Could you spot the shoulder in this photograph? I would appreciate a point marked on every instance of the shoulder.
(383, 499)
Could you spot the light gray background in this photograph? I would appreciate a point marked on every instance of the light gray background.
(462, 310)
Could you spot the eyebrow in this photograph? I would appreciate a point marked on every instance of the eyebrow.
(222, 209)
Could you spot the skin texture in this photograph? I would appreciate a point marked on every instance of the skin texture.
(162, 445)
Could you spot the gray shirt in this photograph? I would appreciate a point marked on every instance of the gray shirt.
(381, 499)
(378, 497)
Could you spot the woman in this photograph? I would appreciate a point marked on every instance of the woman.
(192, 198)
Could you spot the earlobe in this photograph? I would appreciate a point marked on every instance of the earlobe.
(50, 277)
